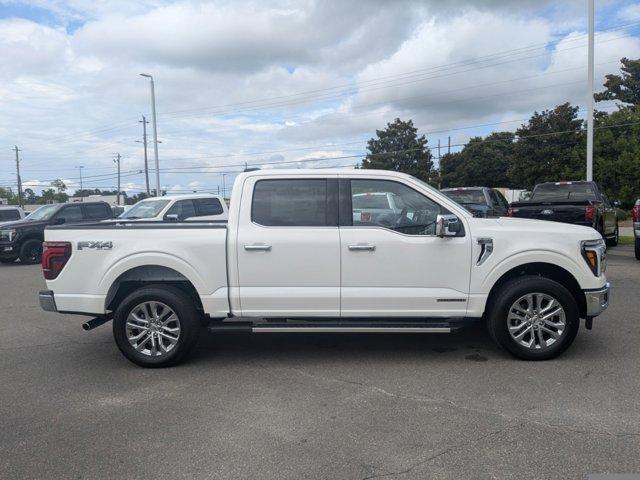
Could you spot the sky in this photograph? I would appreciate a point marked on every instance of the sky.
(279, 84)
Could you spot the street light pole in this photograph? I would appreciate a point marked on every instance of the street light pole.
(155, 133)
(590, 94)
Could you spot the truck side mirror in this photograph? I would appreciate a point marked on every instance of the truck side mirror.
(59, 220)
(172, 217)
(448, 226)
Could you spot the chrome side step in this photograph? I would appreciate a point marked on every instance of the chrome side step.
(348, 329)
(319, 326)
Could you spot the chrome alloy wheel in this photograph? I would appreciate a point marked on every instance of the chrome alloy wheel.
(153, 328)
(536, 321)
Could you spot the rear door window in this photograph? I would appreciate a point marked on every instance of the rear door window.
(97, 211)
(70, 214)
(183, 208)
(208, 206)
(290, 203)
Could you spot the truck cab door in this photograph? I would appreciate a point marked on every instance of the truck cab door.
(288, 247)
(395, 265)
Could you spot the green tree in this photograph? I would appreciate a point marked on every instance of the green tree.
(59, 185)
(549, 148)
(624, 88)
(30, 196)
(482, 162)
(399, 148)
(616, 162)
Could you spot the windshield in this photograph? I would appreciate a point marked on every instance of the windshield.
(466, 196)
(371, 201)
(145, 209)
(43, 213)
(563, 191)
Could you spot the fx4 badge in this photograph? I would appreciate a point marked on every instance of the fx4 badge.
(97, 245)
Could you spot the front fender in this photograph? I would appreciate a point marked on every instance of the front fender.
(580, 272)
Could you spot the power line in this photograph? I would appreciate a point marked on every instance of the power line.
(419, 71)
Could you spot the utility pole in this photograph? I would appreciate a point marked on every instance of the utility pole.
(15, 147)
(146, 161)
(80, 168)
(117, 162)
(438, 149)
(449, 146)
(155, 133)
(590, 93)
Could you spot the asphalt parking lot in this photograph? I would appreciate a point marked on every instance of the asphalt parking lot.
(317, 406)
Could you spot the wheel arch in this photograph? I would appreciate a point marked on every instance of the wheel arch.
(147, 275)
(547, 270)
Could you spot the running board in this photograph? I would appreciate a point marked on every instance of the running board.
(335, 327)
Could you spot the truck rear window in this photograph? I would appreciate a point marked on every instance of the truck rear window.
(563, 191)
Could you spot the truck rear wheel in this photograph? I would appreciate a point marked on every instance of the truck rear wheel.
(533, 318)
(156, 326)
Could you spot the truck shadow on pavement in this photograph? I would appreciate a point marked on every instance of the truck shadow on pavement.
(472, 343)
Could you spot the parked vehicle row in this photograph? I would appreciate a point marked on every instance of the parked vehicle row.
(22, 238)
(301, 253)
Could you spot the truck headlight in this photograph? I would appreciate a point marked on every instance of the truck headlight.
(595, 254)
(7, 235)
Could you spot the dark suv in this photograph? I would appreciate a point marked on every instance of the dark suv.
(480, 201)
(23, 239)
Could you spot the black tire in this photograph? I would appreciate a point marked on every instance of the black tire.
(613, 241)
(8, 259)
(184, 308)
(637, 248)
(31, 251)
(510, 292)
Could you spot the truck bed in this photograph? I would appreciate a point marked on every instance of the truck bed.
(195, 250)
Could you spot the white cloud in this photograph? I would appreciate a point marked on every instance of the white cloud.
(231, 73)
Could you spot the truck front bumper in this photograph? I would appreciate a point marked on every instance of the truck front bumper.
(47, 301)
(597, 300)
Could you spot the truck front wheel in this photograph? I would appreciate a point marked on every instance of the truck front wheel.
(534, 318)
(156, 326)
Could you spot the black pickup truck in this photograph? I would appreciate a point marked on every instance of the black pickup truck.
(23, 239)
(581, 203)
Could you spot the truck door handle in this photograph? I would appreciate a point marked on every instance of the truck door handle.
(362, 247)
(258, 248)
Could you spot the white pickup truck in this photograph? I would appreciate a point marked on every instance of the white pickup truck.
(294, 257)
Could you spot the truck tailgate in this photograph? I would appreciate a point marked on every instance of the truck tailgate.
(566, 212)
